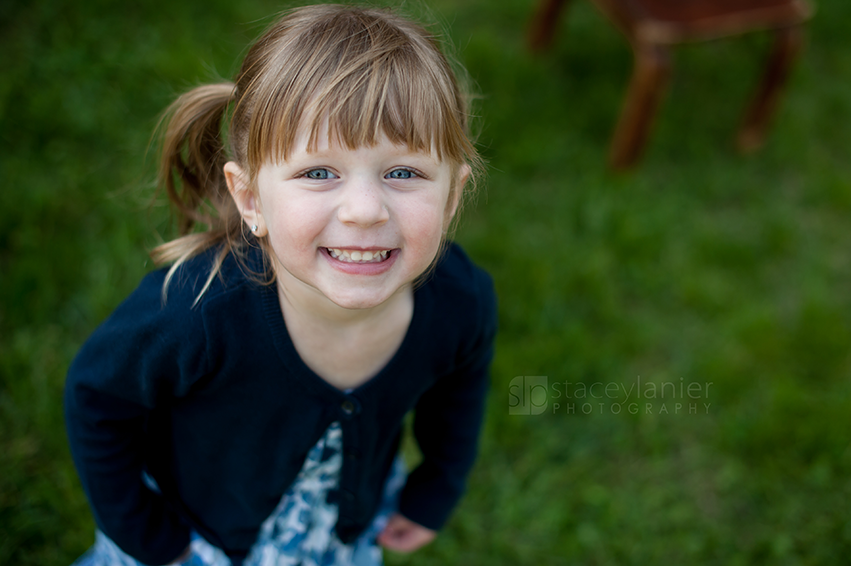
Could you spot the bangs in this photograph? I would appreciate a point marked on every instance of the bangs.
(353, 79)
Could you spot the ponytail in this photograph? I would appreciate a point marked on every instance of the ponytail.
(191, 162)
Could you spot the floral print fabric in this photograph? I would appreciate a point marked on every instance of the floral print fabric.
(300, 532)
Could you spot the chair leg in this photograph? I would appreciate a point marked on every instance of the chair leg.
(544, 23)
(787, 45)
(647, 85)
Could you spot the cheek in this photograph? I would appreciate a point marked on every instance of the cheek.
(424, 227)
(294, 224)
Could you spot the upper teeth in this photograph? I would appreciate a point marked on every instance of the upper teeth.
(354, 255)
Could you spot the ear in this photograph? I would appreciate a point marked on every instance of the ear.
(246, 200)
(461, 178)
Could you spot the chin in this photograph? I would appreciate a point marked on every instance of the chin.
(359, 302)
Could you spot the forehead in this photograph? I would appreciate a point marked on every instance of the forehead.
(355, 111)
(319, 136)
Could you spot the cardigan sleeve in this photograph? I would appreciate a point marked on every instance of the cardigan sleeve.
(137, 361)
(447, 422)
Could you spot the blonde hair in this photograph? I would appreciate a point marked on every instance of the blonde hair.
(359, 72)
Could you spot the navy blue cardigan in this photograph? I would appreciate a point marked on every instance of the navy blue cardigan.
(214, 402)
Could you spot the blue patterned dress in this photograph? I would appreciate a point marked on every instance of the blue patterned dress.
(300, 532)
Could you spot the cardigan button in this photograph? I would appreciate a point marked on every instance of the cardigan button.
(350, 407)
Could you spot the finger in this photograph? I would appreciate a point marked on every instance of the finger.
(406, 539)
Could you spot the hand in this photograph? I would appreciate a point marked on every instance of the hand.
(404, 535)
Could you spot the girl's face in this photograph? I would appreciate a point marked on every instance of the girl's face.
(351, 226)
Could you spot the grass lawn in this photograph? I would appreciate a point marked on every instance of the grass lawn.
(719, 281)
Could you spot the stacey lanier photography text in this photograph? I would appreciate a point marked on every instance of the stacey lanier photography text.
(537, 394)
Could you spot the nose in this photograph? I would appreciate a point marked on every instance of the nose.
(363, 204)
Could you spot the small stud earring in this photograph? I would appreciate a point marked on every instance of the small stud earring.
(254, 227)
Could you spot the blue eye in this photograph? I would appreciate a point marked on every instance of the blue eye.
(401, 174)
(319, 174)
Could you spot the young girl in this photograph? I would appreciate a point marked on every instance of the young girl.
(245, 405)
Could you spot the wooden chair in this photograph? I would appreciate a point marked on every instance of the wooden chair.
(653, 26)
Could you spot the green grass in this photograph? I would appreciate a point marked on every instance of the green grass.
(701, 266)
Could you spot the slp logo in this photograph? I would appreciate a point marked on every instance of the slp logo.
(528, 395)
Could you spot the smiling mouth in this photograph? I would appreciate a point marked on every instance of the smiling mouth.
(357, 256)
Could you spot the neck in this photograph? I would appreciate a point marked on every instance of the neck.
(345, 347)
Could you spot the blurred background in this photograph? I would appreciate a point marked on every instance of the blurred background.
(701, 268)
